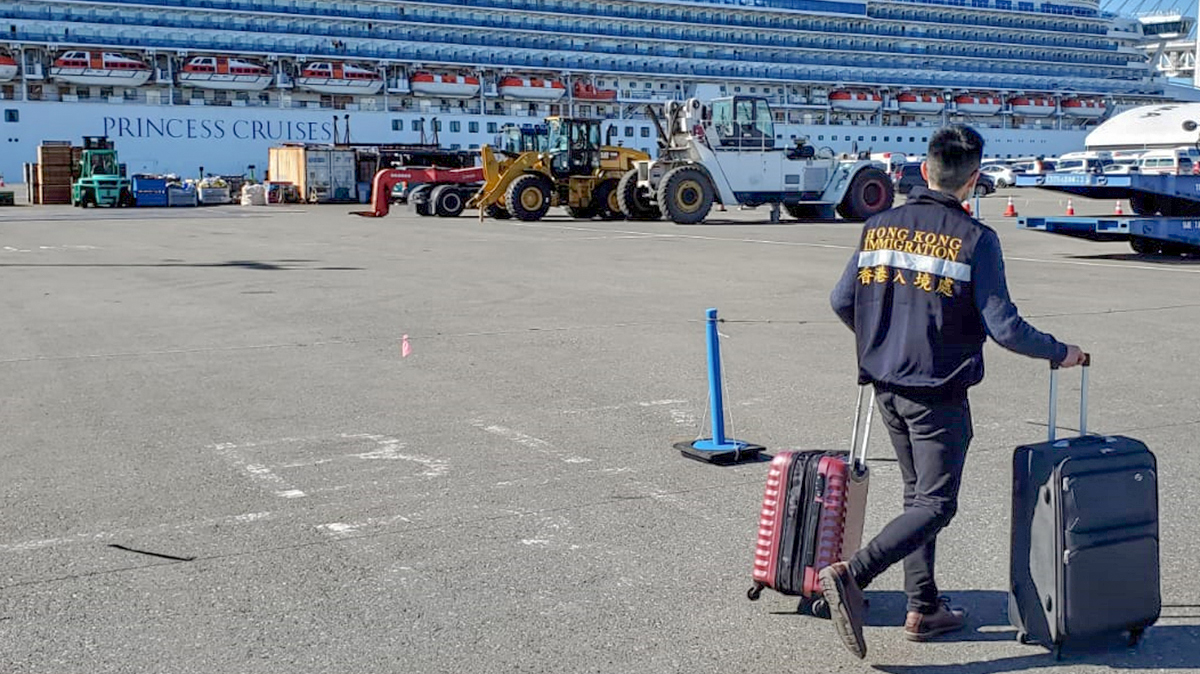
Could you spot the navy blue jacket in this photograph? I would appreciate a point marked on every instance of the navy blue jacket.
(922, 293)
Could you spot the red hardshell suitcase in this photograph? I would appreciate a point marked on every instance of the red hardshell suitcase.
(812, 516)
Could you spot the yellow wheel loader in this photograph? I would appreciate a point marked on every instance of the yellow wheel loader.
(574, 171)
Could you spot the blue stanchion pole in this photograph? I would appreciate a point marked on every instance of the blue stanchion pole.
(718, 448)
(714, 381)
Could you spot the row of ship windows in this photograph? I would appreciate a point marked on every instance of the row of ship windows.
(826, 6)
(843, 41)
(473, 127)
(793, 22)
(1069, 31)
(931, 75)
(488, 38)
(845, 30)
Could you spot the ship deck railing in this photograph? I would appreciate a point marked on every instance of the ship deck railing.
(905, 18)
(840, 69)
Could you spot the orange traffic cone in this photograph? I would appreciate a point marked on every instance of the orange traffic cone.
(1118, 211)
(1011, 211)
(967, 207)
(1070, 208)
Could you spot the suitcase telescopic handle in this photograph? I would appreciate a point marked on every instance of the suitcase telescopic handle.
(860, 463)
(1083, 397)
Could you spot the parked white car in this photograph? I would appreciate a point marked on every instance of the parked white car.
(1002, 175)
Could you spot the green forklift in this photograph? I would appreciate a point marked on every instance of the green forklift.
(100, 180)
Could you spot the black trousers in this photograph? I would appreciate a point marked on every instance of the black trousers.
(930, 437)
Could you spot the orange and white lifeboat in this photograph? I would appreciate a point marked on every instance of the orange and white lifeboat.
(330, 77)
(444, 86)
(222, 72)
(531, 88)
(585, 91)
(103, 69)
(1083, 107)
(920, 104)
(8, 68)
(1028, 106)
(978, 104)
(855, 101)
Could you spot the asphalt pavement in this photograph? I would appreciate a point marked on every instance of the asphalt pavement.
(289, 439)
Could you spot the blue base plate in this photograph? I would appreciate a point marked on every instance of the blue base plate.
(731, 451)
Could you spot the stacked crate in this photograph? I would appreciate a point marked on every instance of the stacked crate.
(55, 173)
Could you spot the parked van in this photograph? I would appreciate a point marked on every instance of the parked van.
(1177, 161)
(1083, 162)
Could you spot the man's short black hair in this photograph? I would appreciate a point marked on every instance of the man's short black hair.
(955, 153)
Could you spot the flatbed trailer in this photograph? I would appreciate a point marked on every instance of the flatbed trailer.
(1166, 210)
(1150, 236)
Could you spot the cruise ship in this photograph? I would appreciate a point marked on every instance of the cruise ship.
(184, 84)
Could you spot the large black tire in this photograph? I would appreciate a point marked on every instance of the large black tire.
(419, 197)
(125, 200)
(528, 197)
(606, 201)
(634, 203)
(1144, 246)
(87, 198)
(448, 201)
(1143, 204)
(497, 212)
(870, 192)
(1174, 207)
(980, 190)
(685, 195)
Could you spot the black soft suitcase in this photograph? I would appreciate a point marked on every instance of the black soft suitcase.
(1084, 559)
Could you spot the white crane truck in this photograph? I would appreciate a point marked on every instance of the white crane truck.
(726, 152)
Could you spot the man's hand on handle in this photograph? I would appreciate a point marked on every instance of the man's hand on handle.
(1075, 356)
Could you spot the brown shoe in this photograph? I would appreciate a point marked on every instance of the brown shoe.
(925, 626)
(845, 606)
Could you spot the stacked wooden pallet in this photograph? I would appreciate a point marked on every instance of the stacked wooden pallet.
(55, 172)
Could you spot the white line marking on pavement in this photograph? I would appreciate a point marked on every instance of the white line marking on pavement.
(389, 449)
(1111, 265)
(700, 237)
(347, 528)
(529, 441)
(643, 403)
(25, 546)
(258, 473)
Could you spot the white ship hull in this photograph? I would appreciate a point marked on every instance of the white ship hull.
(225, 82)
(339, 87)
(226, 140)
(8, 73)
(97, 77)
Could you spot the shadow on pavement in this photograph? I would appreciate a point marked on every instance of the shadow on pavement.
(1135, 257)
(242, 264)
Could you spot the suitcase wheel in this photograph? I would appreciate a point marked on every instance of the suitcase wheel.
(818, 608)
(755, 592)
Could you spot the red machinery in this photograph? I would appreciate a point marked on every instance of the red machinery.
(442, 191)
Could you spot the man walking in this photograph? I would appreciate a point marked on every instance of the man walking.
(922, 293)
